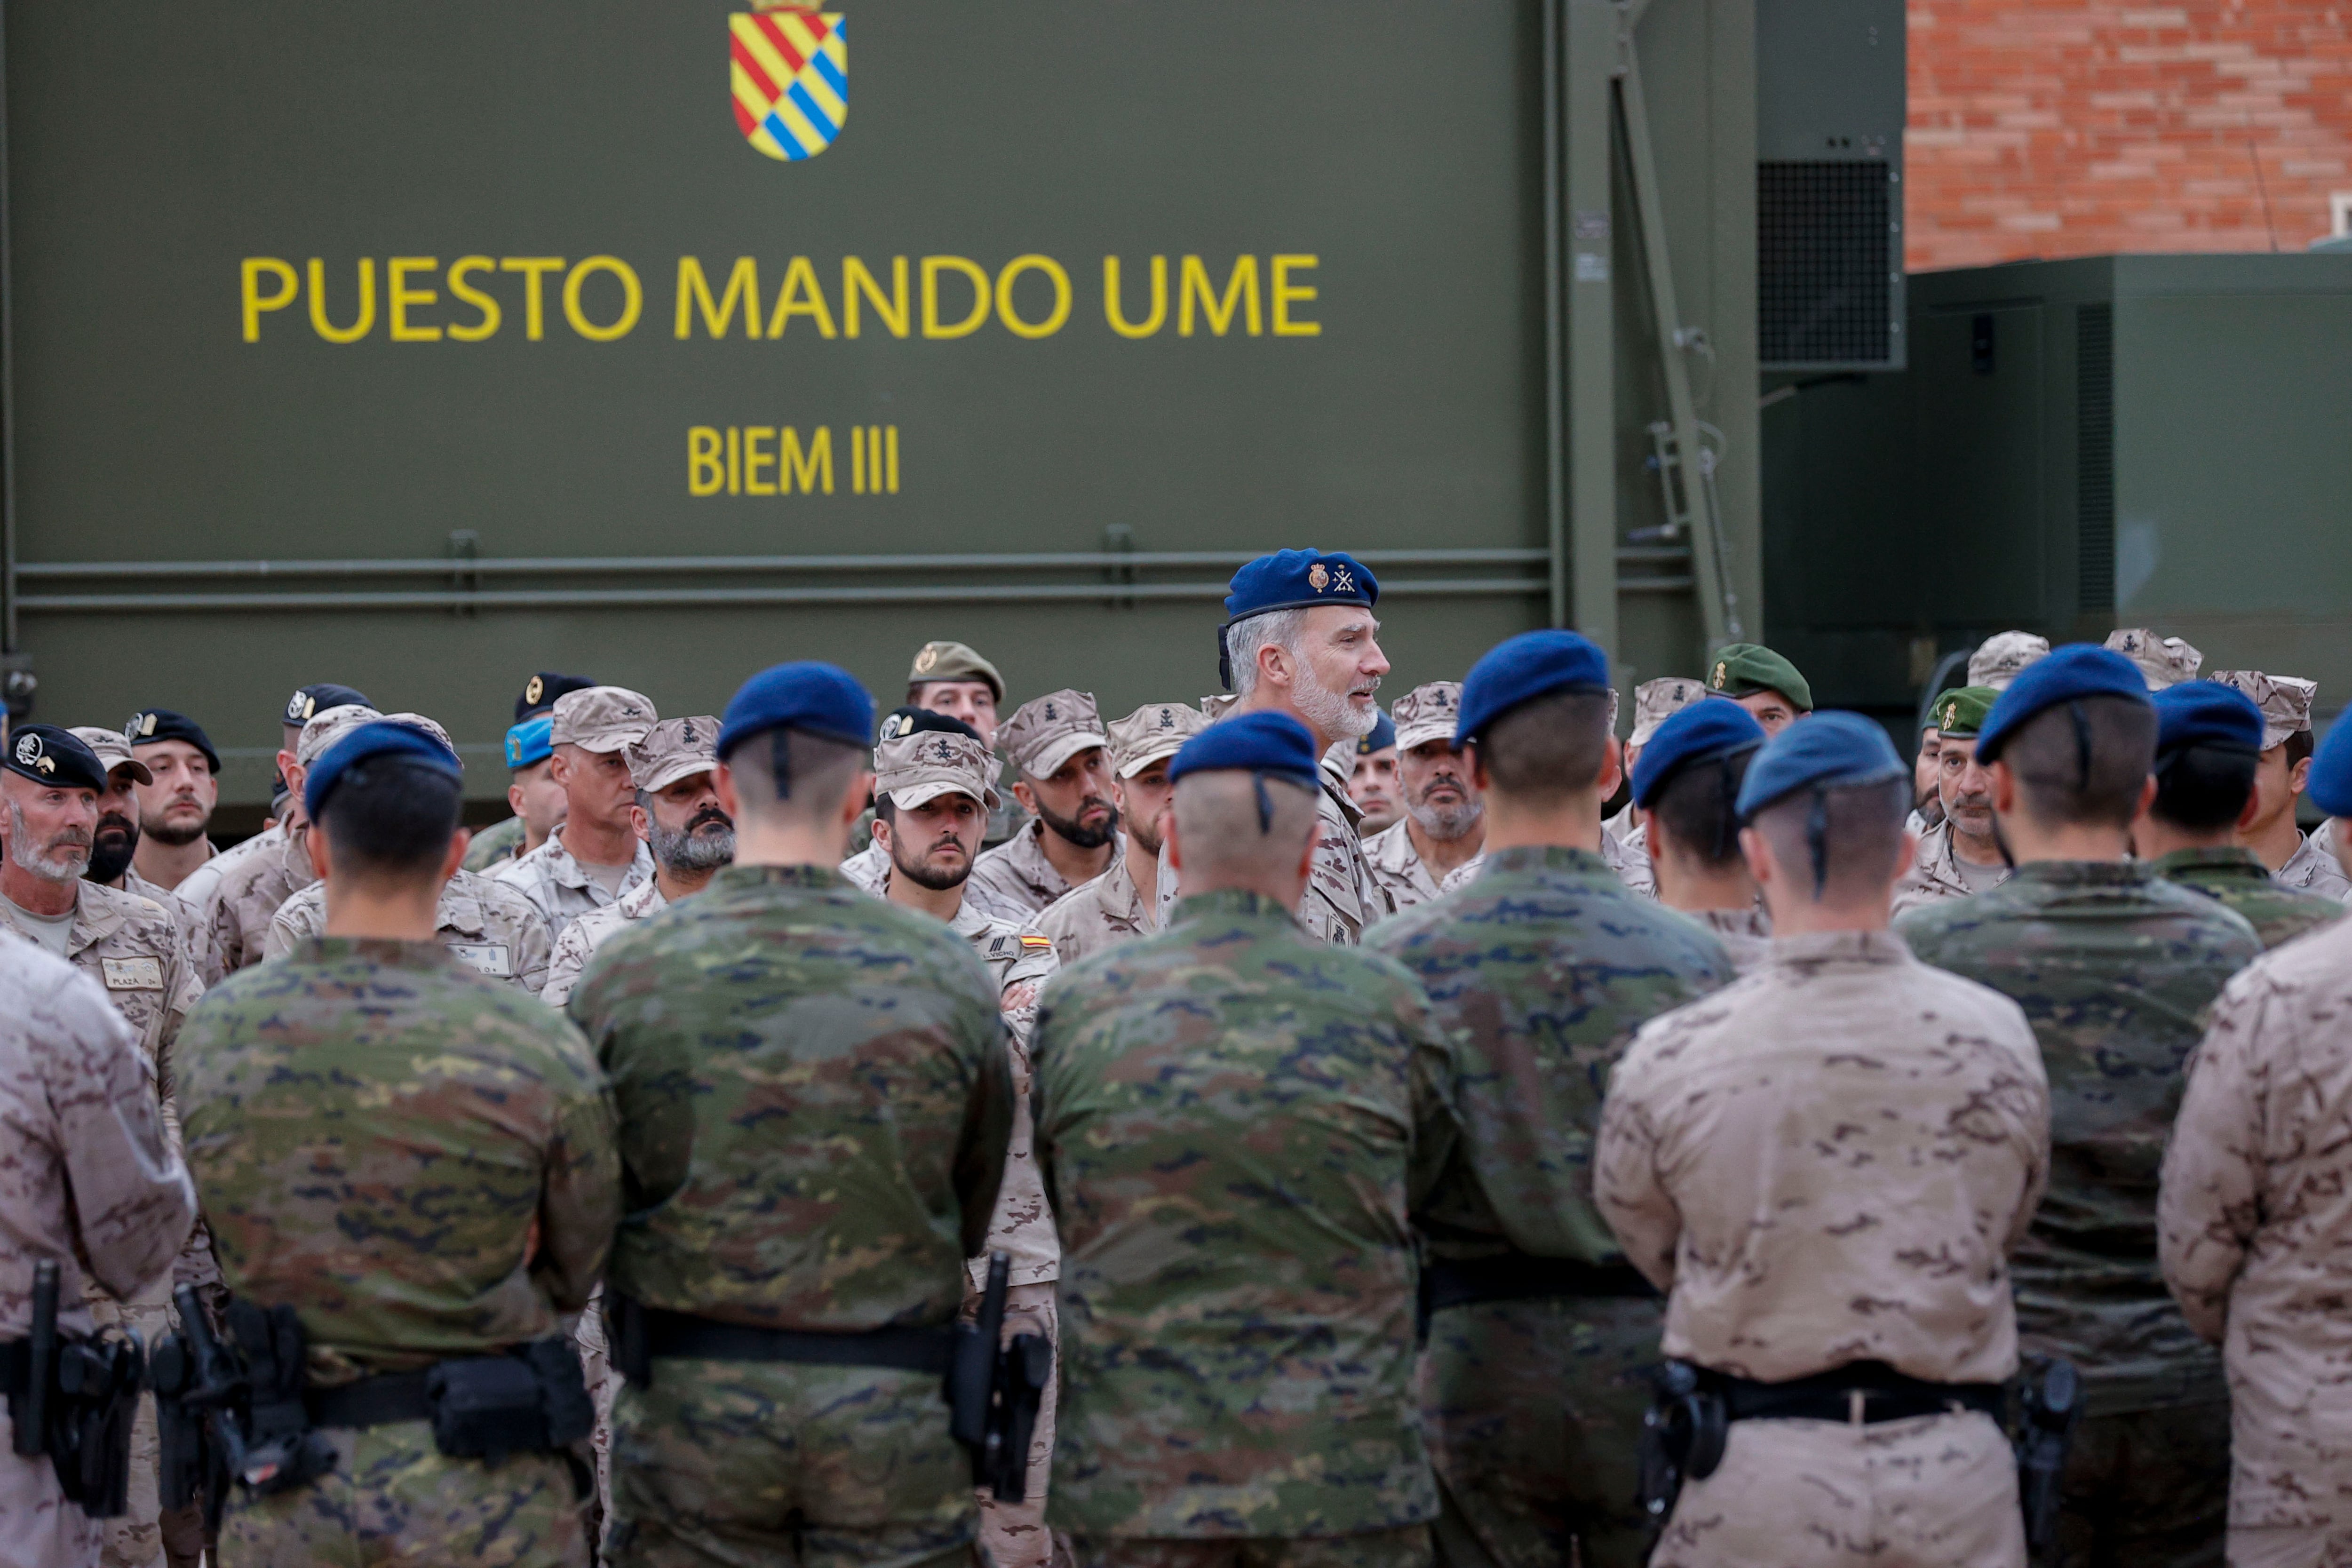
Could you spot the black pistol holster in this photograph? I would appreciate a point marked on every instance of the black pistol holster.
(995, 1389)
(2049, 1406)
(73, 1397)
(1683, 1435)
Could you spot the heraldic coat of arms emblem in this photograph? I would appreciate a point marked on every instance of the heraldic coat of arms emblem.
(789, 68)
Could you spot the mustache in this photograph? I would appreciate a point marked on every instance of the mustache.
(709, 815)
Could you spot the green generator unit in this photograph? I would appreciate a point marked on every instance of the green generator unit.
(2159, 441)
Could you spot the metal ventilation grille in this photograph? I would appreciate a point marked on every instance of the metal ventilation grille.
(1824, 263)
(2095, 457)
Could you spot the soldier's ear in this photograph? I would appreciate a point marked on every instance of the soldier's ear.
(459, 842)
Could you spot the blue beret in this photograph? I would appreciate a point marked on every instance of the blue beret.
(817, 699)
(1261, 742)
(1292, 580)
(1382, 737)
(1711, 728)
(2207, 713)
(2078, 669)
(380, 739)
(1525, 667)
(49, 756)
(531, 741)
(2330, 783)
(1827, 751)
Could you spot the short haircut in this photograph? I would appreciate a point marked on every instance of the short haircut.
(1862, 838)
(818, 772)
(2203, 788)
(1224, 838)
(2085, 773)
(1275, 628)
(1547, 748)
(390, 820)
(2298, 745)
(1697, 808)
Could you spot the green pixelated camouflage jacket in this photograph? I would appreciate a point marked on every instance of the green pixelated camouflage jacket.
(377, 1132)
(2236, 880)
(815, 1100)
(2114, 968)
(1539, 971)
(1233, 1119)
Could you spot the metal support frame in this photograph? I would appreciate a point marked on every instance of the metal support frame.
(1591, 47)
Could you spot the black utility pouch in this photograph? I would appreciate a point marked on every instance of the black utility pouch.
(563, 1389)
(486, 1407)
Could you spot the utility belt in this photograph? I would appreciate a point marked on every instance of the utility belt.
(240, 1411)
(73, 1397)
(1523, 1276)
(992, 1390)
(1685, 1431)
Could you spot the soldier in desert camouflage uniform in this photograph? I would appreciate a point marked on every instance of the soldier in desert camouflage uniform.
(1234, 1120)
(1124, 900)
(91, 1183)
(1539, 1335)
(815, 1104)
(2255, 1229)
(1061, 759)
(361, 1093)
(2114, 966)
(534, 799)
(2208, 753)
(1444, 823)
(1654, 702)
(1300, 638)
(1372, 778)
(1961, 854)
(1686, 787)
(176, 804)
(2304, 862)
(596, 858)
(1825, 1166)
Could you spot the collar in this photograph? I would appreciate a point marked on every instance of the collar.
(460, 908)
(566, 869)
(2228, 860)
(1546, 858)
(641, 901)
(384, 951)
(99, 913)
(821, 878)
(1230, 903)
(2084, 873)
(1841, 947)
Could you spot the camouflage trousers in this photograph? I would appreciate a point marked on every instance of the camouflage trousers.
(1532, 1410)
(2147, 1489)
(394, 1498)
(603, 1387)
(1937, 1491)
(2292, 1546)
(1406, 1548)
(743, 1462)
(1013, 1534)
(38, 1528)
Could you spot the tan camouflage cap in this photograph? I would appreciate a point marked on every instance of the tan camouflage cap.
(328, 725)
(1655, 701)
(1152, 731)
(929, 763)
(601, 719)
(672, 750)
(953, 661)
(1426, 713)
(1047, 731)
(113, 752)
(2163, 662)
(2284, 700)
(2000, 656)
(419, 721)
(1216, 705)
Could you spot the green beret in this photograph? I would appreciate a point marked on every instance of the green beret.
(1961, 711)
(953, 661)
(1742, 667)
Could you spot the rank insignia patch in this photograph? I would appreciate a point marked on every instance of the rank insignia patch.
(789, 68)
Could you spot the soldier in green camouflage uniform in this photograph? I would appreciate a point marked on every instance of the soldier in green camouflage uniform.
(816, 1102)
(1233, 1119)
(2114, 967)
(417, 1159)
(1540, 970)
(2207, 754)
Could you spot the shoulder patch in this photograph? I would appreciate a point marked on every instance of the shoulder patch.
(1032, 941)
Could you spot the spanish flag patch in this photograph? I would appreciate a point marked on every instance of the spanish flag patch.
(1032, 942)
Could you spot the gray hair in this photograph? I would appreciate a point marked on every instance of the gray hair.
(1275, 628)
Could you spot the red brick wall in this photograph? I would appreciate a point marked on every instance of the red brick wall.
(2051, 128)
